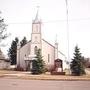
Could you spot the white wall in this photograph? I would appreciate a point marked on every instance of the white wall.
(63, 58)
(32, 52)
(25, 50)
(48, 49)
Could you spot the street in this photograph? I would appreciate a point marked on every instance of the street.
(22, 84)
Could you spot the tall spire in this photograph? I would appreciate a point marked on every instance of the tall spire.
(37, 16)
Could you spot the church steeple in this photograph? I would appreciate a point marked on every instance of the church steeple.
(36, 34)
(37, 20)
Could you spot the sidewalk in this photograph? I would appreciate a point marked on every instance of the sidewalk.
(47, 76)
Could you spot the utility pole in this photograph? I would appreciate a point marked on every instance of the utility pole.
(67, 33)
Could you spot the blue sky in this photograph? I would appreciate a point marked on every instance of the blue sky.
(18, 14)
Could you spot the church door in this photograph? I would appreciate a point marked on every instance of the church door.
(27, 62)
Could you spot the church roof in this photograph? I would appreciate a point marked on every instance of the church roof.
(43, 40)
(26, 43)
(48, 43)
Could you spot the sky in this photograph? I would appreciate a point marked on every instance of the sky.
(18, 15)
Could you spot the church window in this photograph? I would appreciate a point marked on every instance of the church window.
(37, 28)
(35, 50)
(48, 57)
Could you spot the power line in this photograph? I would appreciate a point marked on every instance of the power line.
(53, 21)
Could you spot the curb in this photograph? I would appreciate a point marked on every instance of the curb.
(41, 77)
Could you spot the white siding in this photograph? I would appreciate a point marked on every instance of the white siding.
(25, 50)
(48, 50)
(32, 52)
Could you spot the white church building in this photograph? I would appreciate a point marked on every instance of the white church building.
(27, 53)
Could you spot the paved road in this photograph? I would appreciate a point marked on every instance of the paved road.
(21, 84)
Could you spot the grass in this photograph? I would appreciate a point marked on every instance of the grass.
(46, 76)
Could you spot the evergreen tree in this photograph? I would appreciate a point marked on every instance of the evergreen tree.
(77, 67)
(23, 42)
(38, 64)
(12, 52)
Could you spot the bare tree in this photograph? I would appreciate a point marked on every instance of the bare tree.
(3, 29)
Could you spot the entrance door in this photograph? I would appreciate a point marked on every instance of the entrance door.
(27, 62)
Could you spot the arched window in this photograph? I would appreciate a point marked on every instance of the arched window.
(48, 58)
(35, 49)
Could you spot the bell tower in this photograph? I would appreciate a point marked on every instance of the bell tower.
(35, 35)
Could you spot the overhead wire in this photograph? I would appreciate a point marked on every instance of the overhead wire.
(53, 21)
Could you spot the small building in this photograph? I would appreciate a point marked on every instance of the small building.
(4, 63)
